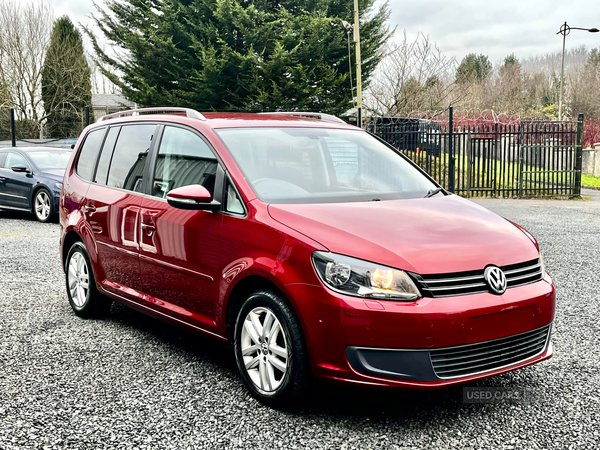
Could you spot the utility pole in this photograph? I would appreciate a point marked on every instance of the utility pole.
(565, 30)
(358, 64)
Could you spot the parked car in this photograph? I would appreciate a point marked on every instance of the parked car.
(313, 248)
(416, 135)
(31, 179)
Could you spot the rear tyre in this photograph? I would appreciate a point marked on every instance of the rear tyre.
(84, 298)
(270, 351)
(42, 205)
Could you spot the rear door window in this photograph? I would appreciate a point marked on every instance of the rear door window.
(183, 159)
(129, 157)
(86, 161)
(2, 157)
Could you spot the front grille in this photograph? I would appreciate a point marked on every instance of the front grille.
(471, 359)
(472, 282)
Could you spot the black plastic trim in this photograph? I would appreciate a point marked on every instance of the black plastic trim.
(409, 365)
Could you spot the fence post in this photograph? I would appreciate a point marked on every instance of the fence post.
(12, 127)
(87, 116)
(495, 160)
(578, 156)
(521, 157)
(451, 158)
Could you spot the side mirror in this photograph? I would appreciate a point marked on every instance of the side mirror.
(194, 196)
(20, 168)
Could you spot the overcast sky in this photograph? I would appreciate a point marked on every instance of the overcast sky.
(494, 28)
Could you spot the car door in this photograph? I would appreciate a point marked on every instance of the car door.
(112, 206)
(2, 178)
(15, 187)
(179, 249)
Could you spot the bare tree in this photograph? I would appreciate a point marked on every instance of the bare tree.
(412, 76)
(24, 35)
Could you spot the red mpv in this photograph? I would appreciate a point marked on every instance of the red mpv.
(311, 246)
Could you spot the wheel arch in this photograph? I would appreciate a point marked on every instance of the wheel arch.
(70, 238)
(242, 289)
(36, 189)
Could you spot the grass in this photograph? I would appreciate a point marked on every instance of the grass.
(507, 174)
(588, 180)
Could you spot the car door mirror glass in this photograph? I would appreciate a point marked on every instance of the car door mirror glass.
(194, 196)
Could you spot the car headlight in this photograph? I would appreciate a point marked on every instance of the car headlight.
(360, 278)
(58, 186)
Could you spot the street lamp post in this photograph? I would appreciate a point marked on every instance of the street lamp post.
(358, 66)
(565, 30)
(356, 38)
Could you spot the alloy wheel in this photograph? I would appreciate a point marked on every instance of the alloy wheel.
(264, 349)
(78, 277)
(42, 205)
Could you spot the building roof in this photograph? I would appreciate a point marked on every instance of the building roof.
(111, 100)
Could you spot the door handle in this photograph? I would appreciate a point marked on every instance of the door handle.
(2, 178)
(90, 209)
(149, 228)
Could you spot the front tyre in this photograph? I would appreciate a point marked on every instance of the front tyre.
(84, 298)
(42, 205)
(269, 348)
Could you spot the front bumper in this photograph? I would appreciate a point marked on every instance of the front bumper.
(451, 363)
(390, 343)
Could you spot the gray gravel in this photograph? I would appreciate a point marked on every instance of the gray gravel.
(129, 381)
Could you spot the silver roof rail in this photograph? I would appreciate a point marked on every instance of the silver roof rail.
(308, 115)
(148, 111)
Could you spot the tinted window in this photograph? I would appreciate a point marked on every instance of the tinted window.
(14, 159)
(184, 159)
(2, 156)
(106, 155)
(129, 157)
(88, 155)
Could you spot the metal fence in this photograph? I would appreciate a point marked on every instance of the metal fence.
(16, 131)
(531, 159)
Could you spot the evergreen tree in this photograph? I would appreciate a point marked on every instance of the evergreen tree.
(66, 85)
(237, 54)
(6, 103)
(474, 68)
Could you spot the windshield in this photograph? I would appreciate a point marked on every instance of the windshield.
(315, 165)
(45, 159)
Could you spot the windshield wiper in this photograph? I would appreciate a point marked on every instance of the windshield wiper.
(432, 192)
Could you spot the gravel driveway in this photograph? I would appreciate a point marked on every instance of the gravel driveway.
(128, 381)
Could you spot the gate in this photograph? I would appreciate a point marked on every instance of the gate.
(481, 164)
(532, 159)
(550, 159)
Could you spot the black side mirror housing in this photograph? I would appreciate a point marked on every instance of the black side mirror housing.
(20, 168)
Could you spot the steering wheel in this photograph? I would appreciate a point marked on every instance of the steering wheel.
(260, 180)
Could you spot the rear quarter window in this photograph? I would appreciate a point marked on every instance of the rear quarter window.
(86, 161)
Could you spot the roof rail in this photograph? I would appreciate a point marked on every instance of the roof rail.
(148, 111)
(309, 115)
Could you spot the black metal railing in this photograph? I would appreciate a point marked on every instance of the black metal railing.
(58, 130)
(530, 159)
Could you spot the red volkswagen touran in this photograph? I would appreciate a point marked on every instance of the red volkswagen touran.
(312, 247)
